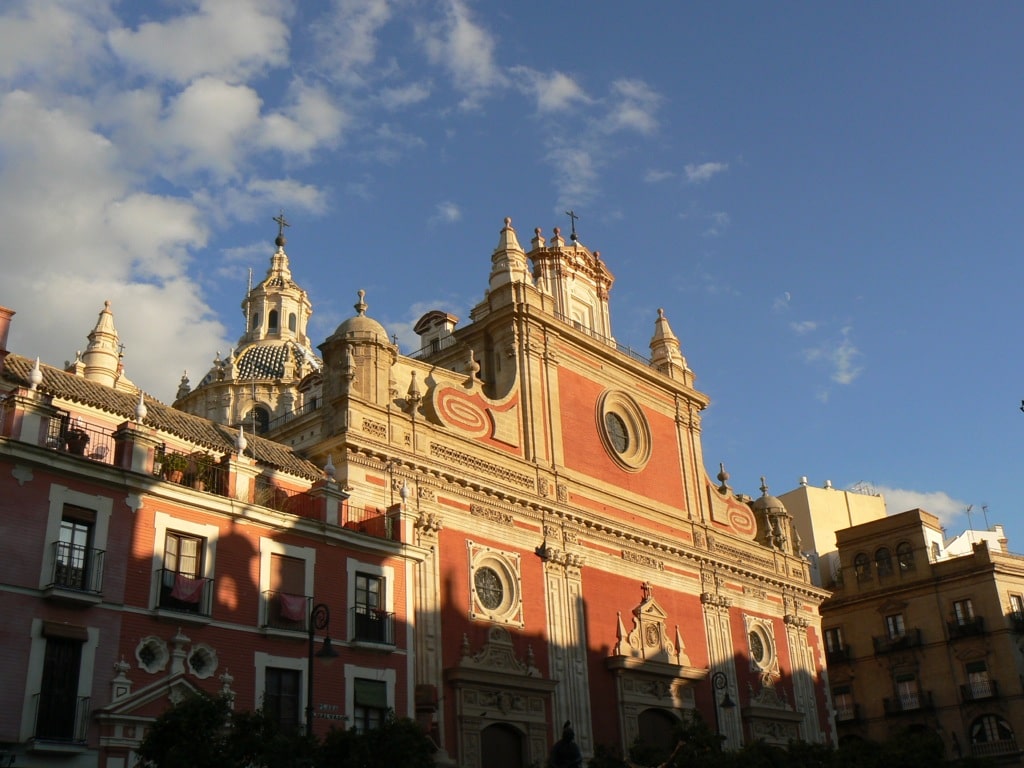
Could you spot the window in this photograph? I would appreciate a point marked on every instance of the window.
(184, 567)
(61, 715)
(365, 703)
(292, 322)
(286, 581)
(371, 615)
(990, 728)
(979, 685)
(77, 565)
(281, 696)
(894, 626)
(834, 640)
(370, 704)
(842, 698)
(257, 419)
(862, 566)
(272, 320)
(182, 585)
(255, 321)
(76, 535)
(883, 561)
(1017, 606)
(371, 622)
(905, 556)
(907, 692)
(624, 431)
(494, 585)
(963, 611)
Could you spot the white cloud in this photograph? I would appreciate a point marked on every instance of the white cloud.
(225, 39)
(719, 223)
(447, 212)
(50, 40)
(466, 50)
(310, 121)
(803, 327)
(347, 38)
(697, 174)
(404, 96)
(576, 172)
(632, 107)
(653, 176)
(554, 91)
(840, 355)
(939, 503)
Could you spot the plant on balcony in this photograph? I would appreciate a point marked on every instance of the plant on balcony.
(173, 467)
(199, 473)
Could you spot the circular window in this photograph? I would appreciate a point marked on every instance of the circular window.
(757, 650)
(624, 430)
(762, 653)
(489, 590)
(494, 580)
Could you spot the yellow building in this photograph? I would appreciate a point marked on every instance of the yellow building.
(923, 636)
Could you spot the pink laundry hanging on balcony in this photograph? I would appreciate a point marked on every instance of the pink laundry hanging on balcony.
(187, 590)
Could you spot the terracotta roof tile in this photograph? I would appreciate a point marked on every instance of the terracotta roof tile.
(194, 429)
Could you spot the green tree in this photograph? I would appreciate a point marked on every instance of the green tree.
(398, 741)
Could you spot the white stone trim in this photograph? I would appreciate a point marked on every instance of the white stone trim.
(262, 661)
(163, 522)
(270, 547)
(60, 495)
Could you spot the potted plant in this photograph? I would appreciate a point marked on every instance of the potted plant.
(200, 470)
(173, 467)
(76, 439)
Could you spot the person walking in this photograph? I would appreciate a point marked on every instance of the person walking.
(566, 752)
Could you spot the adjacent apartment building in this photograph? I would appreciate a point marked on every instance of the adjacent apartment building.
(925, 633)
(512, 527)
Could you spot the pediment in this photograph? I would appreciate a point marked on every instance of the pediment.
(649, 638)
(152, 700)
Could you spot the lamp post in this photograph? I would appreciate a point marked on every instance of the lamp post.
(319, 618)
(719, 682)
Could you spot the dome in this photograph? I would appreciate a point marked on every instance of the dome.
(767, 502)
(361, 326)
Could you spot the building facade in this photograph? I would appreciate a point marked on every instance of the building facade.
(548, 540)
(924, 634)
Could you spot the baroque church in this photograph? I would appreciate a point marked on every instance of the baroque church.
(512, 527)
(575, 551)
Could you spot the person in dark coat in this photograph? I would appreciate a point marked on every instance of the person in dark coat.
(566, 752)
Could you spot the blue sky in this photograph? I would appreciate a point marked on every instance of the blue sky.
(824, 197)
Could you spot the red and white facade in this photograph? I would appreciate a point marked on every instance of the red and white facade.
(529, 495)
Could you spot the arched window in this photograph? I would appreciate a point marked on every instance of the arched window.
(255, 321)
(272, 321)
(990, 728)
(293, 322)
(862, 566)
(883, 561)
(258, 419)
(905, 556)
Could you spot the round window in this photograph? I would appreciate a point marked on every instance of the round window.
(489, 590)
(757, 649)
(617, 434)
(624, 431)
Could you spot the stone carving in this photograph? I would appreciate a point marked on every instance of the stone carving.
(452, 456)
(494, 515)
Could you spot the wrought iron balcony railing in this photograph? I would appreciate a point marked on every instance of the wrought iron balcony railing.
(184, 594)
(61, 717)
(370, 625)
(286, 611)
(77, 568)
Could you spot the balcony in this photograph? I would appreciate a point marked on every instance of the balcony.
(848, 713)
(980, 690)
(286, 611)
(77, 573)
(1016, 622)
(370, 625)
(1001, 748)
(78, 438)
(185, 596)
(966, 627)
(61, 718)
(909, 639)
(839, 655)
(908, 702)
(198, 470)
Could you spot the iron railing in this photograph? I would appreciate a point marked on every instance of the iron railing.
(372, 625)
(77, 567)
(979, 690)
(286, 611)
(184, 594)
(61, 717)
(78, 438)
(908, 702)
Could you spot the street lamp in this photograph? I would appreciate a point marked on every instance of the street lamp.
(319, 618)
(719, 682)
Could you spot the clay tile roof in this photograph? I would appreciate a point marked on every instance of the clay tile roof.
(194, 429)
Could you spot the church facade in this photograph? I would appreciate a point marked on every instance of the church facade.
(550, 542)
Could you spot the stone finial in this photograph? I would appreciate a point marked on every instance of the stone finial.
(35, 376)
(241, 443)
(329, 469)
(361, 306)
(404, 492)
(183, 386)
(141, 411)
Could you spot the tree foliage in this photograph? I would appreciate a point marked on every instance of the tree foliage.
(203, 732)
